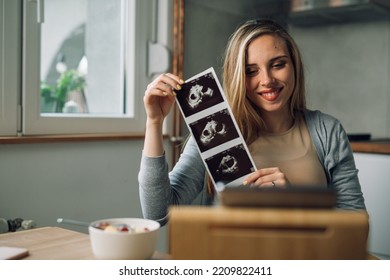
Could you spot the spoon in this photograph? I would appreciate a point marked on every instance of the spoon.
(72, 222)
(130, 228)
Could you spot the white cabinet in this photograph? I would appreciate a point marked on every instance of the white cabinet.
(374, 175)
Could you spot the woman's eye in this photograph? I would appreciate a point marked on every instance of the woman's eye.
(250, 72)
(278, 65)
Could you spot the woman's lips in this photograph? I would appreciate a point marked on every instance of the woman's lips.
(270, 94)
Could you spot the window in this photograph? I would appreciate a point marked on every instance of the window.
(79, 71)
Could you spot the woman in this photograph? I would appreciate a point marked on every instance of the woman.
(263, 81)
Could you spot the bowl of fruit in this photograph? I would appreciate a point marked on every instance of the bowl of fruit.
(123, 238)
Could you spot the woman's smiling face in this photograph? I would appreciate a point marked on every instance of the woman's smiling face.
(269, 73)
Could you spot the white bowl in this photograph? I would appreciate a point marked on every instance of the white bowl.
(124, 245)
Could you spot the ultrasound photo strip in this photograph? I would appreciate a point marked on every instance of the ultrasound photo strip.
(212, 124)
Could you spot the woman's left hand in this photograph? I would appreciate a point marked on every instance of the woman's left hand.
(267, 177)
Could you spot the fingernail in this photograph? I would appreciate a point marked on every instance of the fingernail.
(174, 93)
(165, 93)
(181, 81)
(245, 183)
(178, 87)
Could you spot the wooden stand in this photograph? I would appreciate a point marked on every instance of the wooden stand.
(266, 233)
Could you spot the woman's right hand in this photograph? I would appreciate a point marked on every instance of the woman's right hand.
(160, 96)
(267, 177)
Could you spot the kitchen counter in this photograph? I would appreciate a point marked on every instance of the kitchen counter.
(375, 147)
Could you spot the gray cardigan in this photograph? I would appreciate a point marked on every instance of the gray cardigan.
(186, 182)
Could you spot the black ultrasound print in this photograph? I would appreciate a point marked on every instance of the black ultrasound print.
(230, 165)
(199, 94)
(214, 130)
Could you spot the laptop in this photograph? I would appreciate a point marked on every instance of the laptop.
(290, 197)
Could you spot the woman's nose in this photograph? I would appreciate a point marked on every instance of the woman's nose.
(265, 78)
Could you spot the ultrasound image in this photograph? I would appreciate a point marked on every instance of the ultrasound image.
(199, 94)
(230, 164)
(214, 130)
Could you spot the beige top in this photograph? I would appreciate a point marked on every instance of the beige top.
(293, 152)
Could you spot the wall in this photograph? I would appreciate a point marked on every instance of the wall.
(347, 71)
(208, 25)
(82, 181)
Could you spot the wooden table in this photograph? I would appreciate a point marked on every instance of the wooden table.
(50, 243)
(53, 243)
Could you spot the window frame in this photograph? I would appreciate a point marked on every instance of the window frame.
(10, 13)
(35, 123)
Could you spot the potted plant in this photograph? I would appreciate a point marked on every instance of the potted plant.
(57, 96)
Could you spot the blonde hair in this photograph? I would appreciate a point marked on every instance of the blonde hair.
(247, 114)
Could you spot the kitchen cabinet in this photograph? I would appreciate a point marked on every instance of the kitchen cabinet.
(374, 178)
